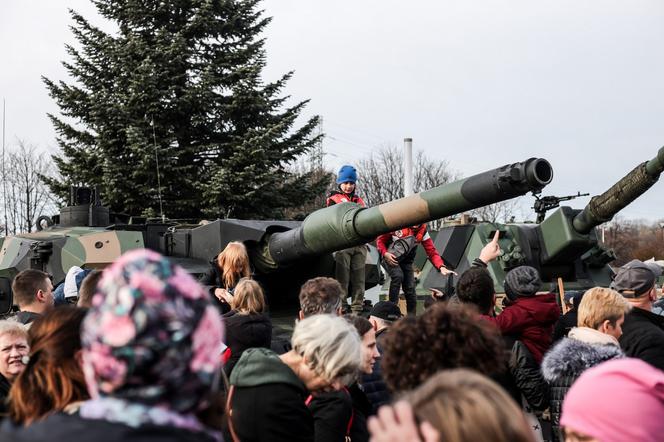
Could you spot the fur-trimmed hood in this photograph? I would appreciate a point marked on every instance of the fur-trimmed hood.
(571, 357)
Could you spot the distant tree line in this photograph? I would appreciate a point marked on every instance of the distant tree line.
(630, 238)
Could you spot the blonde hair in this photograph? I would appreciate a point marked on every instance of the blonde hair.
(248, 297)
(330, 345)
(13, 328)
(465, 406)
(599, 304)
(233, 263)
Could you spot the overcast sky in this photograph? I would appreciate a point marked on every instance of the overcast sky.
(481, 84)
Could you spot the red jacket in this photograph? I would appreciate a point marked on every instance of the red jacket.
(421, 237)
(337, 197)
(531, 320)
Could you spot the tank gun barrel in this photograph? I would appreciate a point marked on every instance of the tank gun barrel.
(602, 208)
(345, 225)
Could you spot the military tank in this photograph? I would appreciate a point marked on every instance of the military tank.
(564, 246)
(284, 254)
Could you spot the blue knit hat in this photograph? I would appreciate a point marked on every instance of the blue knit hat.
(347, 174)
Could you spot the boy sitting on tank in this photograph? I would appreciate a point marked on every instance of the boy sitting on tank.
(350, 263)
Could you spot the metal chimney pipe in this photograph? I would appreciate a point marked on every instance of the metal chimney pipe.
(408, 166)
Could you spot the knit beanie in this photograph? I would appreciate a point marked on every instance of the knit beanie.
(619, 400)
(522, 281)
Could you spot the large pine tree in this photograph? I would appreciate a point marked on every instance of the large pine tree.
(179, 83)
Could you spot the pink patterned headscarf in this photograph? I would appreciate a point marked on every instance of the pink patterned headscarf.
(151, 337)
(616, 401)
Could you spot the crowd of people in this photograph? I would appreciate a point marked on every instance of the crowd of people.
(158, 356)
(147, 353)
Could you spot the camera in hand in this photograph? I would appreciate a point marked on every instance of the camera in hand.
(402, 247)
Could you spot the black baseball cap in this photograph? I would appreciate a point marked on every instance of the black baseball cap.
(636, 278)
(386, 310)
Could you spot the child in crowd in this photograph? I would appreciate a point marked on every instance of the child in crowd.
(350, 263)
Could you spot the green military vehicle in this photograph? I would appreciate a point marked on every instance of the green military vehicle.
(564, 246)
(284, 254)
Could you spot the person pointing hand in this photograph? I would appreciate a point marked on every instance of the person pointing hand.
(492, 250)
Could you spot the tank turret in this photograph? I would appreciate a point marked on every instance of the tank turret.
(564, 246)
(567, 233)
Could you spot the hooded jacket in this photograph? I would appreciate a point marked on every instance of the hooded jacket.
(268, 401)
(531, 320)
(244, 331)
(568, 359)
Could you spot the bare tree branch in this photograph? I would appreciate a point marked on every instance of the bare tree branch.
(382, 176)
(27, 198)
(502, 212)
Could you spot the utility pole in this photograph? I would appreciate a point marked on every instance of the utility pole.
(317, 151)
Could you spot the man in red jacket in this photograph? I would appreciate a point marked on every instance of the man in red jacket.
(398, 250)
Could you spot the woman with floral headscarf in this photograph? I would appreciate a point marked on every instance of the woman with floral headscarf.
(151, 344)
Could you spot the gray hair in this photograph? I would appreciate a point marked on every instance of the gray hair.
(13, 328)
(331, 346)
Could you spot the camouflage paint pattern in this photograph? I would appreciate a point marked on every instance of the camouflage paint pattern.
(56, 250)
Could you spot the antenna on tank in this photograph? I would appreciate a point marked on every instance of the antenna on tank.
(4, 177)
(156, 156)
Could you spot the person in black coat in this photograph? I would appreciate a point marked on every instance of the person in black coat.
(246, 325)
(643, 337)
(643, 331)
(225, 271)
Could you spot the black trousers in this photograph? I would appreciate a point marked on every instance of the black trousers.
(403, 275)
